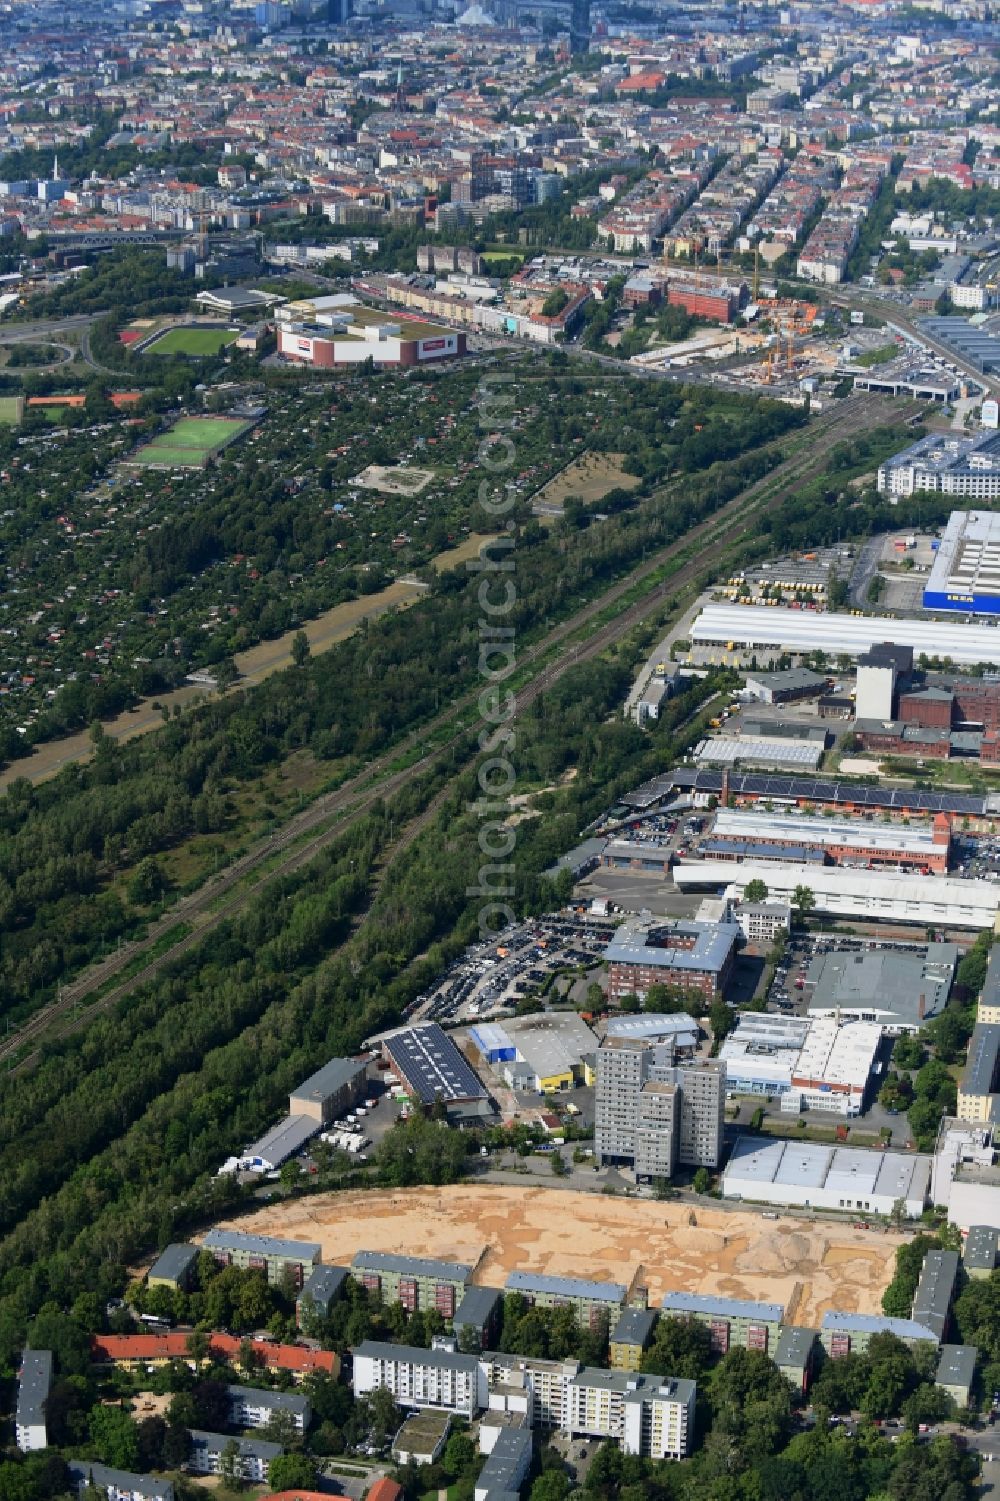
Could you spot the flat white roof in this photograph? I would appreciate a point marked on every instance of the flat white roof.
(907, 898)
(807, 630)
(849, 1172)
(841, 1054)
(832, 833)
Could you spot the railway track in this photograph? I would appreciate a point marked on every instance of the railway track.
(310, 831)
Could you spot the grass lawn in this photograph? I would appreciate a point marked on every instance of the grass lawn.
(880, 356)
(190, 441)
(194, 341)
(10, 410)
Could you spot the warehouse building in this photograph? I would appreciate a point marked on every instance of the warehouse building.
(852, 1333)
(551, 1052)
(783, 755)
(811, 1063)
(420, 1378)
(277, 1146)
(970, 342)
(899, 991)
(980, 1081)
(631, 1337)
(644, 953)
(785, 686)
(676, 1028)
(319, 1292)
(255, 1454)
(841, 841)
(965, 574)
(264, 1253)
(889, 896)
(731, 1322)
(118, 1485)
(648, 1415)
(417, 1282)
(834, 797)
(34, 1381)
(637, 855)
(174, 1267)
(807, 1175)
(731, 634)
(431, 1069)
(594, 1303)
(331, 1090)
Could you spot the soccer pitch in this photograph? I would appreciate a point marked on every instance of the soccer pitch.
(10, 410)
(193, 341)
(190, 443)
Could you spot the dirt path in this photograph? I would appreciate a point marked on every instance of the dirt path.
(806, 1267)
(254, 665)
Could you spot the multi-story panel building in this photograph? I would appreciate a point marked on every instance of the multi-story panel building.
(630, 1337)
(730, 1321)
(443, 1379)
(978, 1086)
(653, 1112)
(252, 1407)
(852, 1333)
(593, 1302)
(546, 1381)
(476, 1323)
(648, 1415)
(255, 1454)
(118, 1485)
(264, 1253)
(414, 1281)
(33, 1383)
(319, 1292)
(174, 1267)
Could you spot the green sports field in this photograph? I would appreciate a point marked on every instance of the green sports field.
(190, 442)
(193, 341)
(10, 410)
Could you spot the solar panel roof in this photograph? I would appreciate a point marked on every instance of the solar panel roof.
(817, 789)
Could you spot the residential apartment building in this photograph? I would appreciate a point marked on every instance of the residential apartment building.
(545, 1382)
(476, 1323)
(852, 1333)
(420, 1378)
(320, 1291)
(264, 1253)
(252, 1407)
(118, 1485)
(593, 1302)
(630, 1336)
(33, 1382)
(730, 1321)
(255, 1454)
(655, 1113)
(174, 1268)
(417, 1282)
(978, 1086)
(648, 1415)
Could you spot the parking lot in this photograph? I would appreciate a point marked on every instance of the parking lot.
(491, 977)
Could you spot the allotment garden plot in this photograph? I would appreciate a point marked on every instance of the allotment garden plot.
(190, 443)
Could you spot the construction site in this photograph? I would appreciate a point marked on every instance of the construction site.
(807, 1267)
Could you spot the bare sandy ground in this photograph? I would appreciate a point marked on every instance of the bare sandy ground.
(590, 477)
(808, 1268)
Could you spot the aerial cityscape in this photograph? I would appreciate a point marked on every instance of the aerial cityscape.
(500, 750)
